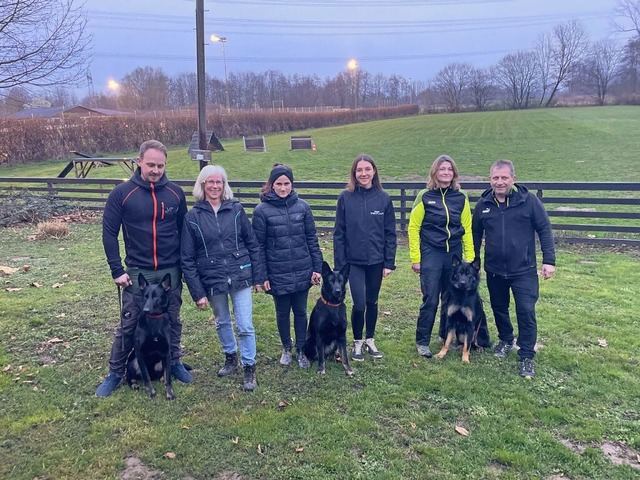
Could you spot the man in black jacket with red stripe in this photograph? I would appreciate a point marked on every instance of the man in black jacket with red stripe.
(509, 217)
(150, 210)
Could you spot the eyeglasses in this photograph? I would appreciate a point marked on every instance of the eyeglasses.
(210, 183)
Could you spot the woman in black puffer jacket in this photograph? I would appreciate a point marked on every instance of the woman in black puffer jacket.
(286, 232)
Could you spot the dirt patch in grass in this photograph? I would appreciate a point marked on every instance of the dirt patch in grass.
(616, 453)
(134, 469)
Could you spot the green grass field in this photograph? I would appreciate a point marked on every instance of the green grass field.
(397, 418)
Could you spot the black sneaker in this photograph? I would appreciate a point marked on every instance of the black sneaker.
(503, 348)
(230, 365)
(527, 368)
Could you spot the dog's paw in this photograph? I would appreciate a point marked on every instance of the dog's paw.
(322, 372)
(440, 355)
(151, 393)
(349, 373)
(170, 396)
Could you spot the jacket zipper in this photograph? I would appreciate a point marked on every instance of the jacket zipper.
(446, 211)
(154, 229)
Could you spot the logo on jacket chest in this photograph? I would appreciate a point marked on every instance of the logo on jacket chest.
(377, 212)
(486, 210)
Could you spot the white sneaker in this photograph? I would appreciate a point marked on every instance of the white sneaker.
(356, 354)
(370, 347)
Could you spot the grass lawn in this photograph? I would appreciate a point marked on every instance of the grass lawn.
(396, 418)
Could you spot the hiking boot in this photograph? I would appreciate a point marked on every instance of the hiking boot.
(370, 347)
(250, 382)
(108, 385)
(503, 348)
(303, 361)
(527, 368)
(356, 353)
(424, 351)
(285, 358)
(230, 365)
(180, 373)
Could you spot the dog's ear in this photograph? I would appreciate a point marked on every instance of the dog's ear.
(326, 269)
(455, 261)
(476, 263)
(142, 282)
(166, 282)
(344, 271)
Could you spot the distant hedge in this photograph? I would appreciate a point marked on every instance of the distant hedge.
(37, 140)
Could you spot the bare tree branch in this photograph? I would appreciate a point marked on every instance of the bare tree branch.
(629, 13)
(42, 43)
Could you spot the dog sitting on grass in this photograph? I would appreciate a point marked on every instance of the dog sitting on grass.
(151, 356)
(327, 330)
(462, 312)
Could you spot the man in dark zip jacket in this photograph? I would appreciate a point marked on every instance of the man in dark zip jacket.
(150, 210)
(508, 217)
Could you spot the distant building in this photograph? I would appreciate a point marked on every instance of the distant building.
(75, 111)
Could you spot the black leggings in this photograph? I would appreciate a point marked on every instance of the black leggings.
(284, 304)
(364, 283)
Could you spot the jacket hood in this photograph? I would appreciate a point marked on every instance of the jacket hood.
(273, 198)
(518, 194)
(138, 180)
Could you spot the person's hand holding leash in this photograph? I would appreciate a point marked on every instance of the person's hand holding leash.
(202, 303)
(315, 278)
(123, 281)
(386, 272)
(547, 271)
(415, 267)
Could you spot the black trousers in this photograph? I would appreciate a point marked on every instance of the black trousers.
(525, 289)
(435, 275)
(131, 302)
(296, 302)
(365, 282)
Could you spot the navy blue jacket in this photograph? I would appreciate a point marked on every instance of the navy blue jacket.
(289, 248)
(509, 232)
(220, 252)
(151, 216)
(365, 229)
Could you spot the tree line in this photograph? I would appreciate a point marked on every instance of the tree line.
(562, 62)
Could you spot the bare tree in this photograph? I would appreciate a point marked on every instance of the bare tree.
(451, 82)
(558, 55)
(481, 88)
(15, 99)
(630, 75)
(601, 67)
(42, 42)
(145, 88)
(61, 97)
(517, 73)
(184, 89)
(628, 11)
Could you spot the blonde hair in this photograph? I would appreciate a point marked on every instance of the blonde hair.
(433, 183)
(206, 172)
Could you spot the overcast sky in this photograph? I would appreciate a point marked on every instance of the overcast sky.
(412, 38)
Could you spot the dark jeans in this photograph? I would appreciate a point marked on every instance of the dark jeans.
(365, 282)
(525, 290)
(435, 274)
(131, 302)
(284, 304)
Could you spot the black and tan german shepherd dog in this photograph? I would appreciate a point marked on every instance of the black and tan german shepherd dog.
(327, 331)
(151, 356)
(462, 312)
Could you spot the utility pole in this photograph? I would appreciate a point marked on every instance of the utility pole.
(200, 75)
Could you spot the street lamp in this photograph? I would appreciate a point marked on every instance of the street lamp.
(353, 67)
(223, 40)
(114, 86)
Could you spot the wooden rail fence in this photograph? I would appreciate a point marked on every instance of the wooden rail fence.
(581, 212)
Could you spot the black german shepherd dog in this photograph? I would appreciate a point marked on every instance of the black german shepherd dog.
(461, 310)
(326, 334)
(151, 356)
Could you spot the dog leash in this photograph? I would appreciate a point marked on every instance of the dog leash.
(119, 288)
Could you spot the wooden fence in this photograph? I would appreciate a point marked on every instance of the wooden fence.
(581, 212)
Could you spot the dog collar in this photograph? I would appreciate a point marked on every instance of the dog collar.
(329, 304)
(155, 316)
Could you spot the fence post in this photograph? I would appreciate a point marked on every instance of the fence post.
(403, 204)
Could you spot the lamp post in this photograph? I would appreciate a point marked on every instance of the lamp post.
(353, 67)
(223, 40)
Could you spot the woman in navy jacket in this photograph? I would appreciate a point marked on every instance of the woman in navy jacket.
(220, 259)
(365, 237)
(286, 232)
